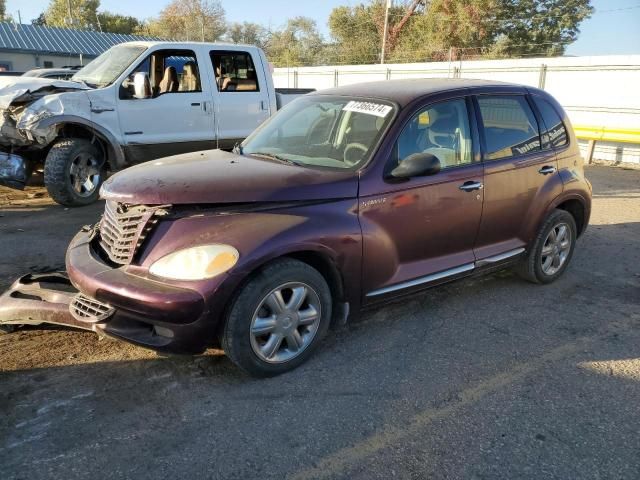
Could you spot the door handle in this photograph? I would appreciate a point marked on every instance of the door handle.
(470, 186)
(195, 104)
(547, 169)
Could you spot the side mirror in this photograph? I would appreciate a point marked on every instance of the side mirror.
(141, 85)
(417, 165)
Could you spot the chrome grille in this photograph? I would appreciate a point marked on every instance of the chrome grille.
(123, 228)
(87, 309)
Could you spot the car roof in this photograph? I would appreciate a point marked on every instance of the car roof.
(404, 91)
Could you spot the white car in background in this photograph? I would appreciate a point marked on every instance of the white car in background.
(136, 102)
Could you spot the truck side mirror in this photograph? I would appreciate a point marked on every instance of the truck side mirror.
(416, 165)
(141, 85)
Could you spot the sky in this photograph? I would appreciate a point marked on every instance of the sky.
(607, 32)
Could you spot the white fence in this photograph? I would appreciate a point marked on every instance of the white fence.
(597, 92)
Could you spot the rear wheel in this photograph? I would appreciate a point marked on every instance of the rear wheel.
(278, 318)
(551, 250)
(74, 171)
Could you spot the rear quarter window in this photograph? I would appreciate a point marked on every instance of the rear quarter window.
(510, 127)
(554, 132)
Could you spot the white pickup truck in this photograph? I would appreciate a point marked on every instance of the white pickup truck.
(136, 102)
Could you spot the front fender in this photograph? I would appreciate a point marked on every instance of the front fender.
(330, 230)
(55, 123)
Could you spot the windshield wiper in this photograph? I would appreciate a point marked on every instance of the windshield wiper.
(273, 156)
(90, 85)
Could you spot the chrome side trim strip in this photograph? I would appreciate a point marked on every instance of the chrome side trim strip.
(420, 280)
(499, 258)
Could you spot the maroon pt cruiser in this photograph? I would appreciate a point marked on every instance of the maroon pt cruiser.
(346, 198)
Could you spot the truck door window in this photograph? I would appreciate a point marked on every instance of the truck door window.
(169, 71)
(510, 128)
(235, 71)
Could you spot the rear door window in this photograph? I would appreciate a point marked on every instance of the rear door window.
(510, 127)
(235, 72)
(555, 133)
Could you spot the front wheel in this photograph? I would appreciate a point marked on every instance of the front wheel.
(74, 171)
(278, 318)
(551, 250)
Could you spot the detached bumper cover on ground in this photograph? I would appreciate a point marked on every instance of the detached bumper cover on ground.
(37, 299)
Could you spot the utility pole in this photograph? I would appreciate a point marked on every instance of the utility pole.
(386, 31)
(70, 12)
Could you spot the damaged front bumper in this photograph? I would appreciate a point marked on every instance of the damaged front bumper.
(42, 298)
(112, 302)
(13, 171)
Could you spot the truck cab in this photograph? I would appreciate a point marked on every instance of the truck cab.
(136, 102)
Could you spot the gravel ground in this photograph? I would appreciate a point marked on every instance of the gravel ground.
(482, 379)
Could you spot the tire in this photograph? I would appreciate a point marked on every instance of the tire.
(251, 311)
(4, 329)
(532, 267)
(86, 159)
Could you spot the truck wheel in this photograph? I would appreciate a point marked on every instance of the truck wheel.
(278, 318)
(74, 171)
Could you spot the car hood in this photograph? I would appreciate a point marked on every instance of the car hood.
(21, 89)
(216, 176)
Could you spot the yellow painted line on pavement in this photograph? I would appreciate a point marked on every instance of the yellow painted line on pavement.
(337, 462)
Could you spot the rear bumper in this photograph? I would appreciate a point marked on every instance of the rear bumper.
(146, 312)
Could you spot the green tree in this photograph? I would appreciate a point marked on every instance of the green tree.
(298, 43)
(540, 27)
(188, 20)
(248, 33)
(116, 23)
(448, 28)
(358, 31)
(83, 13)
(422, 30)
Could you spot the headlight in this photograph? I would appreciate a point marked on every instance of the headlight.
(196, 263)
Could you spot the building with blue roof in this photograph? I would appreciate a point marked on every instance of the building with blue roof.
(24, 47)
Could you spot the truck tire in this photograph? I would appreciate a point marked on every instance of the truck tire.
(74, 171)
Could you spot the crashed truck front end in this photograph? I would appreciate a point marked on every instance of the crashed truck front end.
(28, 113)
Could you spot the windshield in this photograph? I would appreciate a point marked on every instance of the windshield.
(322, 131)
(105, 69)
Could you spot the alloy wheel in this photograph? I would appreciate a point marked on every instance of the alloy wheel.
(285, 322)
(85, 174)
(555, 249)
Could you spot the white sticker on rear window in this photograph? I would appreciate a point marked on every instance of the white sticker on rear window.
(370, 108)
